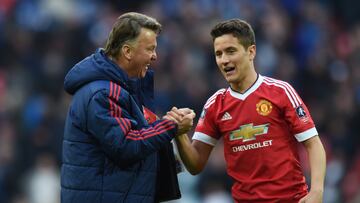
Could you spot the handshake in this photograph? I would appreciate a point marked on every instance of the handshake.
(184, 118)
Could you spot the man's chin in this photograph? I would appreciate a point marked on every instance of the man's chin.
(142, 72)
(229, 79)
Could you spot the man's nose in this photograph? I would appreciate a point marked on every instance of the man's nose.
(154, 56)
(224, 59)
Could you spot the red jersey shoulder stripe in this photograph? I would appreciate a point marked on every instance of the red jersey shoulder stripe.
(289, 91)
(211, 100)
(285, 90)
(292, 90)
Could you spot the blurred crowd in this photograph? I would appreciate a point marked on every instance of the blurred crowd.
(313, 45)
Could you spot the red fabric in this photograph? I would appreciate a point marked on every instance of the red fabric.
(149, 115)
(265, 167)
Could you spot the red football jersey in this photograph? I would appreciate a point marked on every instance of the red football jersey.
(260, 129)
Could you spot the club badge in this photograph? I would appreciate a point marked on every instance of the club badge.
(264, 107)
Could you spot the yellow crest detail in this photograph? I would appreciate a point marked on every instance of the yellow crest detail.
(264, 107)
(248, 132)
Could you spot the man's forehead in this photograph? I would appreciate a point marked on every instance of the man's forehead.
(146, 37)
(222, 43)
(147, 33)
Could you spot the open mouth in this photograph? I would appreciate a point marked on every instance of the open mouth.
(229, 69)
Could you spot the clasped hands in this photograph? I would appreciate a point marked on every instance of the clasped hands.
(184, 118)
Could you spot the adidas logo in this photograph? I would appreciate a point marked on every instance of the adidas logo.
(226, 116)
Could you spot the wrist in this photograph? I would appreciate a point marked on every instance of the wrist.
(181, 136)
(317, 190)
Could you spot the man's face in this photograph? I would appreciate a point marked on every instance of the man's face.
(143, 52)
(233, 60)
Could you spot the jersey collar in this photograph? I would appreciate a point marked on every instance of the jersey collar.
(243, 96)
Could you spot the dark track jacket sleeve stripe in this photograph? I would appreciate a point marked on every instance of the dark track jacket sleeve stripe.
(115, 128)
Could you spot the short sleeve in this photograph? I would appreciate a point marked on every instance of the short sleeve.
(206, 129)
(297, 115)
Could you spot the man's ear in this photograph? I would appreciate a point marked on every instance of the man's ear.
(126, 51)
(252, 52)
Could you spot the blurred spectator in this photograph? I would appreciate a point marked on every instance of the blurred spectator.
(43, 182)
(7, 144)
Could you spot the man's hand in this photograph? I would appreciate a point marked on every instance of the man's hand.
(312, 197)
(184, 117)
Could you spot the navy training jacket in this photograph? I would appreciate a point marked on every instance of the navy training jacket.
(110, 151)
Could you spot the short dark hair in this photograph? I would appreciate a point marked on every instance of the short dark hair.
(126, 28)
(239, 28)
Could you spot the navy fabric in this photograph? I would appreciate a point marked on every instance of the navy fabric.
(110, 152)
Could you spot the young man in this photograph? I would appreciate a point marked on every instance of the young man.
(260, 120)
(111, 138)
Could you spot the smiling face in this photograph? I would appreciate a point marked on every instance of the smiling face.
(142, 53)
(234, 61)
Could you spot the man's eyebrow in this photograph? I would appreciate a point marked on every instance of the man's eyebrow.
(230, 47)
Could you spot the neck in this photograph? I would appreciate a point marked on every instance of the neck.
(246, 82)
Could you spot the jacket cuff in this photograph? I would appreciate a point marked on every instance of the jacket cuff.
(173, 127)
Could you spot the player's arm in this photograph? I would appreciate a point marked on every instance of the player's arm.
(303, 127)
(317, 159)
(194, 154)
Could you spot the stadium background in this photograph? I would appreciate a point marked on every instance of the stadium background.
(314, 45)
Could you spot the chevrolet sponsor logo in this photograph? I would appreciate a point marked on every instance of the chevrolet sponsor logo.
(255, 145)
(248, 132)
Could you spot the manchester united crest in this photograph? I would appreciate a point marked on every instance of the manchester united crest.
(264, 107)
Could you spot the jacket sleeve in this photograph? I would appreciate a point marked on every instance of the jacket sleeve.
(112, 126)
